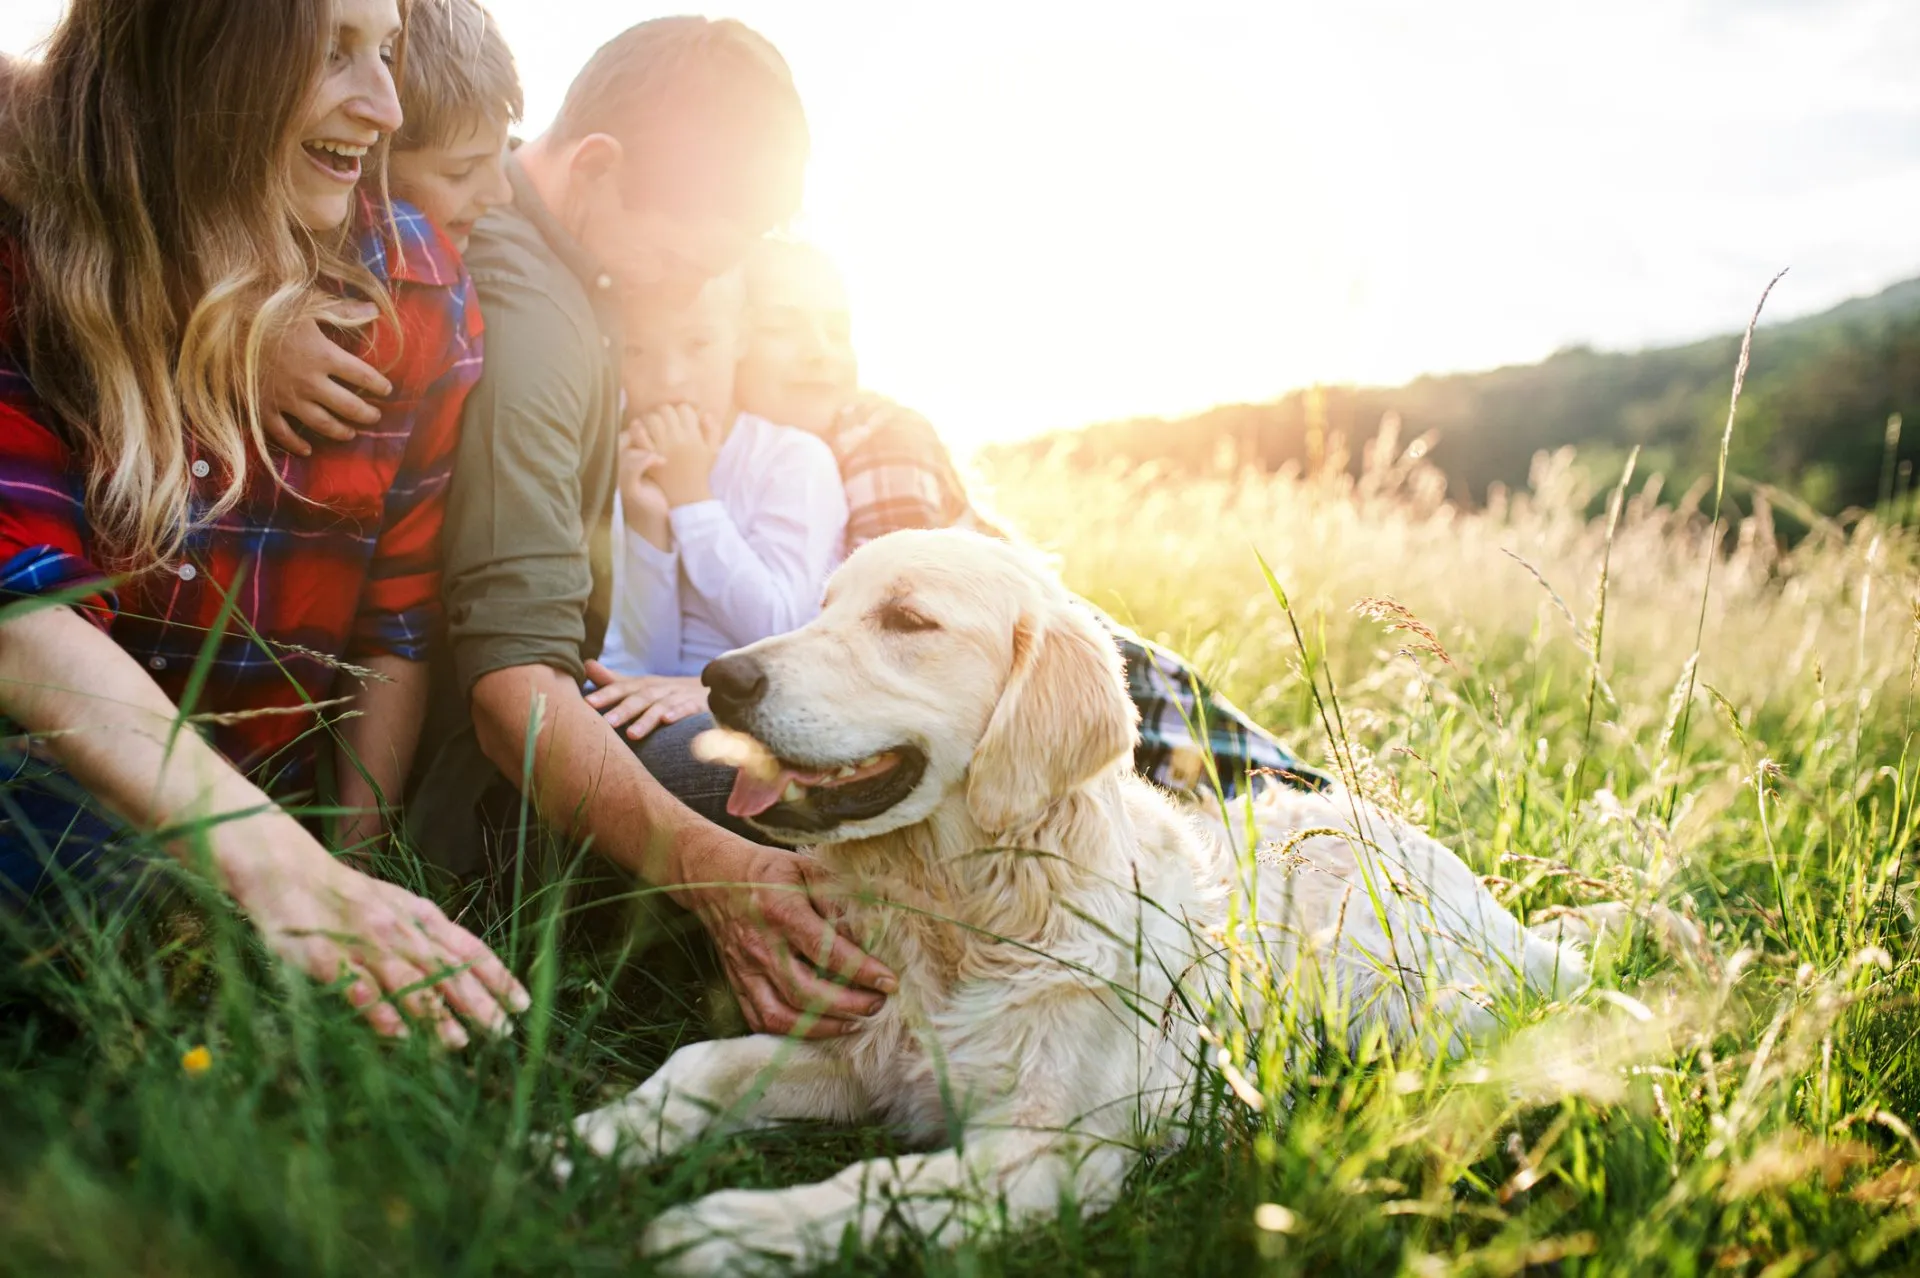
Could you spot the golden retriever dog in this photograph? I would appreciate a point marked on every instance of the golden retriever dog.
(952, 739)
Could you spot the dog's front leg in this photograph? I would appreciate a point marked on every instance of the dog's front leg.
(727, 1084)
(1002, 1179)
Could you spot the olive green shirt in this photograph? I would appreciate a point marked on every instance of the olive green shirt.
(526, 552)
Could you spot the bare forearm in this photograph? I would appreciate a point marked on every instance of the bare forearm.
(376, 746)
(115, 731)
(586, 780)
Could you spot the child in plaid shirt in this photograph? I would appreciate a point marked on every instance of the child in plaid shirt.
(798, 369)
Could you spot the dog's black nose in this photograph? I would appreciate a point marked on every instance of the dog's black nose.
(734, 683)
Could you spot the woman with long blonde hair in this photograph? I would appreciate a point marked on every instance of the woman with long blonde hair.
(179, 180)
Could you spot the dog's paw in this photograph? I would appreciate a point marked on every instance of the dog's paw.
(685, 1240)
(736, 1231)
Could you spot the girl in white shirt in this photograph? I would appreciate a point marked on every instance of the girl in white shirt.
(726, 525)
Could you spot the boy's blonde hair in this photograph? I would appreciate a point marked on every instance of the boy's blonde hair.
(459, 73)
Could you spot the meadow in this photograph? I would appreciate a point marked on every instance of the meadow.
(1590, 692)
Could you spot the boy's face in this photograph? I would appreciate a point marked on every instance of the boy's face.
(682, 353)
(455, 183)
(797, 368)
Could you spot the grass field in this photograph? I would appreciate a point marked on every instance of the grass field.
(1747, 1116)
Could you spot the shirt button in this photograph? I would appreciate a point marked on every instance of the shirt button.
(606, 342)
(603, 281)
(188, 572)
(156, 663)
(200, 468)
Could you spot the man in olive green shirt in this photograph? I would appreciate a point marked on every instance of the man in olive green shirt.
(679, 144)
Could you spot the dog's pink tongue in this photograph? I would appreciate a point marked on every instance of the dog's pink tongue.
(754, 793)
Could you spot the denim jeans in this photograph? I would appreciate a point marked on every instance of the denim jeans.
(667, 752)
(50, 829)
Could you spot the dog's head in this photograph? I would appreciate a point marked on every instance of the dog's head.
(942, 664)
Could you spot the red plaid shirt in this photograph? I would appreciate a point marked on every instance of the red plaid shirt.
(350, 571)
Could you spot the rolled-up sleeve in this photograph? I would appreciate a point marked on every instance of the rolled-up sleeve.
(517, 576)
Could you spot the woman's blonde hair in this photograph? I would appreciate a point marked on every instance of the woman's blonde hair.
(146, 158)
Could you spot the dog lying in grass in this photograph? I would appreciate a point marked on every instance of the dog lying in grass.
(952, 740)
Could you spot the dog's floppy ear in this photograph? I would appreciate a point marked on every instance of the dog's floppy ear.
(1064, 717)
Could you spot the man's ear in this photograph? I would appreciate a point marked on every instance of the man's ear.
(1064, 718)
(596, 157)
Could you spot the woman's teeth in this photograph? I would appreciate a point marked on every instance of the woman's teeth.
(342, 157)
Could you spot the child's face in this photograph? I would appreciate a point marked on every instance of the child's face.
(798, 368)
(455, 184)
(683, 354)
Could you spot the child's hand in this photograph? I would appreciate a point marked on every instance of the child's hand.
(642, 504)
(687, 446)
(644, 702)
(302, 379)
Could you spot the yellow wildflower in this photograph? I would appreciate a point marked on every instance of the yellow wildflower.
(197, 1061)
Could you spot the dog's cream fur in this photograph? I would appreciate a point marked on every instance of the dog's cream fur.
(1059, 926)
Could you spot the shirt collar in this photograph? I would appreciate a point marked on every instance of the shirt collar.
(572, 254)
(407, 249)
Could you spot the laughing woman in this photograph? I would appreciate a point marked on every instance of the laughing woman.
(176, 176)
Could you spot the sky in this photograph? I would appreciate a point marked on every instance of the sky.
(1052, 212)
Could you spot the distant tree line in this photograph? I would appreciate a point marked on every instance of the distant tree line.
(1813, 422)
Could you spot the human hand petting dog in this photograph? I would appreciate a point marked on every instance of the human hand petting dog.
(687, 443)
(644, 702)
(771, 921)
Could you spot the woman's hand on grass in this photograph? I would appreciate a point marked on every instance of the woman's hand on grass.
(309, 377)
(641, 703)
(398, 951)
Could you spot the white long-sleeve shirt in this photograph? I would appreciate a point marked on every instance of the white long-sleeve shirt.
(749, 563)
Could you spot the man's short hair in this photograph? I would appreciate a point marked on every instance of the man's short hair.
(458, 74)
(706, 110)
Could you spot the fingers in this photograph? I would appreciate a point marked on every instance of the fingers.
(319, 419)
(484, 987)
(344, 405)
(806, 990)
(832, 952)
(364, 994)
(418, 996)
(357, 373)
(767, 1012)
(281, 434)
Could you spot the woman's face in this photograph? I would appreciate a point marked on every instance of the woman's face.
(798, 369)
(354, 104)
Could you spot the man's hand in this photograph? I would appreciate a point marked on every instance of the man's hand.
(781, 955)
(642, 504)
(643, 703)
(310, 378)
(771, 923)
(687, 445)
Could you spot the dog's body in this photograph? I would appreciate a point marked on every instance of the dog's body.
(1061, 929)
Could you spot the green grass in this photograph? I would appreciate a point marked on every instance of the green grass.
(1745, 1120)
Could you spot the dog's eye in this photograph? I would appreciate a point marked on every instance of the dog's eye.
(903, 620)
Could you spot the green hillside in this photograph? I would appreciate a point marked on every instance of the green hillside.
(1813, 421)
